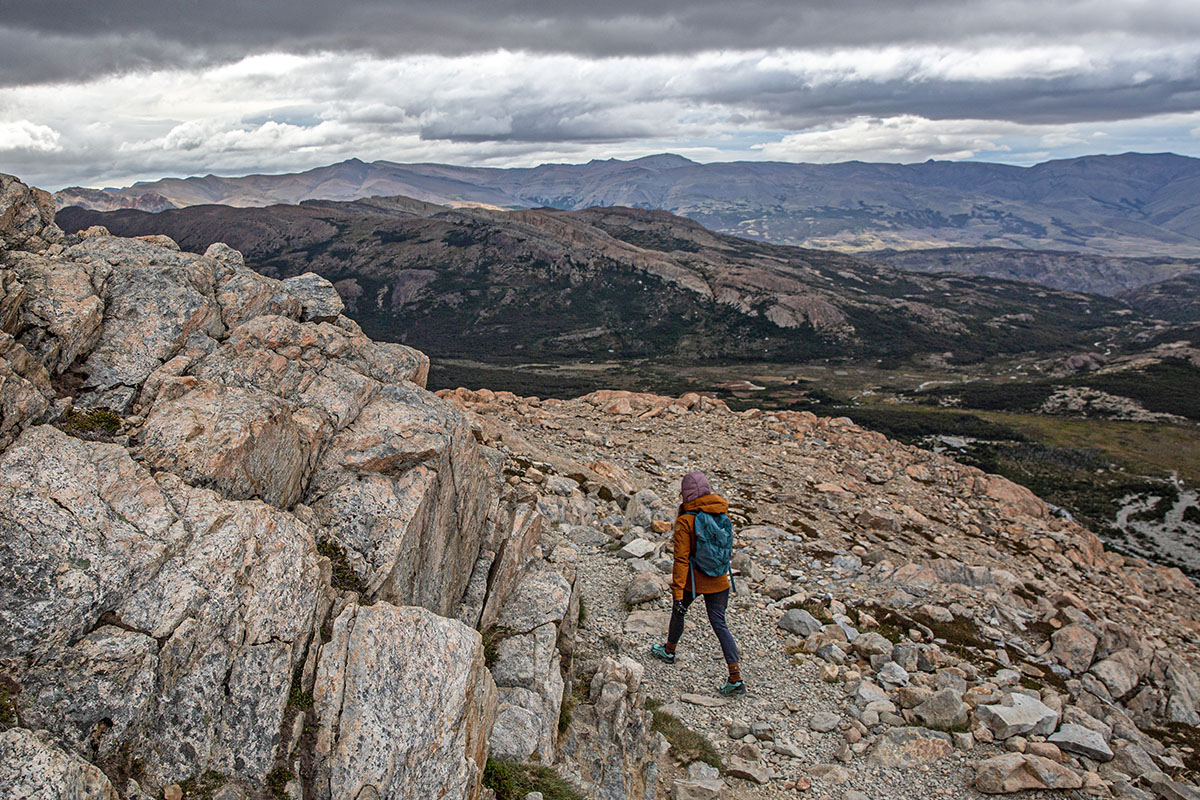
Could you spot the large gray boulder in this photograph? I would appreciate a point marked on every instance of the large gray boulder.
(403, 704)
(1081, 740)
(943, 711)
(319, 301)
(156, 301)
(799, 622)
(213, 603)
(1016, 715)
(244, 442)
(81, 515)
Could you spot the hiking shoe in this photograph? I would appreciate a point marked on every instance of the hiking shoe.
(731, 688)
(660, 652)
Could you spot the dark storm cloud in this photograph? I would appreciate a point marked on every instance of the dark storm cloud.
(1101, 96)
(87, 38)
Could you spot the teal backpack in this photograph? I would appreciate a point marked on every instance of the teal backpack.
(714, 547)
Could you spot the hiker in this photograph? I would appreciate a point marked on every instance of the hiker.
(703, 544)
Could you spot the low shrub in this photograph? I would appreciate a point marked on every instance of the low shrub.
(512, 780)
(8, 708)
(686, 744)
(491, 643)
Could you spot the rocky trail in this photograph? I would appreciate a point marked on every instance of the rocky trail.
(945, 597)
(250, 557)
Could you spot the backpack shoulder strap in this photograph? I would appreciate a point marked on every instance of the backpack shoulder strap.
(692, 550)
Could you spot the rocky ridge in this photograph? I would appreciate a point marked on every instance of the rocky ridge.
(250, 553)
(910, 627)
(621, 283)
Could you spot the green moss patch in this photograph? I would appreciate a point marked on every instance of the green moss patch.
(202, 786)
(344, 577)
(8, 706)
(277, 781)
(297, 697)
(94, 424)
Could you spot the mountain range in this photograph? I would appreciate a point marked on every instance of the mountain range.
(1121, 205)
(619, 283)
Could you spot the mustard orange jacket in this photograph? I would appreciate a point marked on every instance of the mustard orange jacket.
(685, 530)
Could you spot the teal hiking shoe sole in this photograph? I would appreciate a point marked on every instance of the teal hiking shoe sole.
(733, 688)
(660, 652)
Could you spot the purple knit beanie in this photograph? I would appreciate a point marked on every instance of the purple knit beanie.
(695, 485)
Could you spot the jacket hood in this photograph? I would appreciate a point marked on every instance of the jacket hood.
(709, 504)
(694, 485)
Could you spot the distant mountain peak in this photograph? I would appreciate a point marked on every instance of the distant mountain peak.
(663, 161)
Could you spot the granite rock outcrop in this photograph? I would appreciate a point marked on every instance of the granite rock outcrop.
(231, 519)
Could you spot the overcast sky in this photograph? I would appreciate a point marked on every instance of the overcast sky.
(106, 92)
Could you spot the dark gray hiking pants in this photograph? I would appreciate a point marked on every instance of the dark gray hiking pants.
(715, 605)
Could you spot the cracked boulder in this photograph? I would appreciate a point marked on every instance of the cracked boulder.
(376, 736)
(1015, 772)
(404, 489)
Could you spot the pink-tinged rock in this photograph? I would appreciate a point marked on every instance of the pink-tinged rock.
(1015, 772)
(1074, 647)
(405, 491)
(32, 766)
(907, 748)
(243, 442)
(62, 314)
(1117, 674)
(319, 301)
(155, 300)
(1013, 498)
(26, 216)
(83, 525)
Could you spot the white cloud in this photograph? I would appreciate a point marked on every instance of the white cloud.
(904, 138)
(28, 136)
(284, 112)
